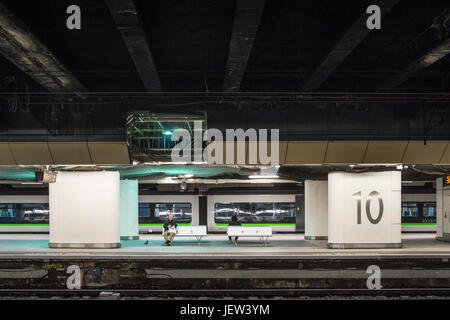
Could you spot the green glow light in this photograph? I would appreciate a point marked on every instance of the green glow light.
(173, 170)
(16, 174)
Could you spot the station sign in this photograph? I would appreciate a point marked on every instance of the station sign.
(446, 181)
(364, 209)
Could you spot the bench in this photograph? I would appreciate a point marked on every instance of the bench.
(190, 231)
(263, 233)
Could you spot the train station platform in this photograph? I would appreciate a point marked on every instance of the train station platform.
(287, 266)
(218, 246)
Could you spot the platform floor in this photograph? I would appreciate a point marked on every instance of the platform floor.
(217, 245)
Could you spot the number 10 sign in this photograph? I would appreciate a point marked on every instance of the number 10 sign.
(364, 209)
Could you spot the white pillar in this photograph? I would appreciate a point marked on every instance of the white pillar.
(316, 210)
(443, 209)
(129, 210)
(84, 210)
(364, 210)
(439, 209)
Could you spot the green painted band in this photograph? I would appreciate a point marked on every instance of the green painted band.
(46, 225)
(260, 224)
(188, 224)
(160, 224)
(419, 224)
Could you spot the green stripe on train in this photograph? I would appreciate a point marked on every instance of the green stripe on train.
(419, 224)
(46, 225)
(160, 224)
(188, 224)
(259, 224)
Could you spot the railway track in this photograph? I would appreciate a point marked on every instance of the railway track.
(229, 293)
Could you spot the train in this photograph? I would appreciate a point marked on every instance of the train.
(419, 212)
(284, 212)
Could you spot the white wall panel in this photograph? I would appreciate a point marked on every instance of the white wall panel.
(129, 209)
(84, 209)
(364, 209)
(445, 217)
(316, 209)
(439, 208)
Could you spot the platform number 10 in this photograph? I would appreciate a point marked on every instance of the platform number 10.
(373, 194)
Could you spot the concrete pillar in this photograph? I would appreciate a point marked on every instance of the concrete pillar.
(439, 209)
(129, 210)
(85, 210)
(316, 210)
(364, 210)
(443, 209)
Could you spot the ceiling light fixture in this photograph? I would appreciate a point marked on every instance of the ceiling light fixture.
(273, 176)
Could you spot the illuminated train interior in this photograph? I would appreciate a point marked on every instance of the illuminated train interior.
(30, 213)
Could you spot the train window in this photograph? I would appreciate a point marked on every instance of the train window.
(223, 212)
(265, 212)
(181, 211)
(410, 209)
(256, 212)
(429, 210)
(144, 210)
(7, 211)
(162, 211)
(159, 212)
(244, 210)
(285, 211)
(24, 213)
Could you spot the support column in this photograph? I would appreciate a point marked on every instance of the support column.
(129, 210)
(439, 209)
(442, 209)
(84, 210)
(316, 210)
(364, 210)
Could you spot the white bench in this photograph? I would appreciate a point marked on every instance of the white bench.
(190, 231)
(263, 233)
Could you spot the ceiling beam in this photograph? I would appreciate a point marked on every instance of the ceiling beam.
(342, 49)
(130, 26)
(431, 45)
(25, 51)
(247, 17)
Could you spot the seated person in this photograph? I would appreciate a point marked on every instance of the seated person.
(234, 222)
(169, 230)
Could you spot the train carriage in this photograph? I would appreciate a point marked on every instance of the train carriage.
(30, 213)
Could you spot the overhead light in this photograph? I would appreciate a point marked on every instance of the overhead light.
(49, 177)
(351, 166)
(167, 133)
(187, 175)
(163, 163)
(399, 167)
(273, 176)
(45, 176)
